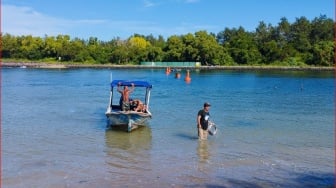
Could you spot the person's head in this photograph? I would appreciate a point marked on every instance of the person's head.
(206, 105)
(125, 87)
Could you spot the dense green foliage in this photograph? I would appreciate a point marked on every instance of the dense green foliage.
(300, 43)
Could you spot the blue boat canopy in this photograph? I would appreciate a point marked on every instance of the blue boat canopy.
(136, 83)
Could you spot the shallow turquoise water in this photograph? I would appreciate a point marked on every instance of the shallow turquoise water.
(276, 129)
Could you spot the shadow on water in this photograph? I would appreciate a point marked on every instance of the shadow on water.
(316, 180)
(323, 180)
(187, 136)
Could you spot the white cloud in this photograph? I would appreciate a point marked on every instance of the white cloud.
(148, 3)
(192, 1)
(26, 21)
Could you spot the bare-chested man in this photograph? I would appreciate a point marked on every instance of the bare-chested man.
(125, 96)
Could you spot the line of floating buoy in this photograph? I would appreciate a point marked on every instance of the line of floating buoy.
(187, 78)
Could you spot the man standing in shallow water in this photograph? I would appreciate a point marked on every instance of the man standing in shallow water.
(202, 121)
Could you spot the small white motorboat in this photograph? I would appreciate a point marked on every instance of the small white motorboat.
(130, 119)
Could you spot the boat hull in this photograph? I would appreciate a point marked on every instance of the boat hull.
(127, 120)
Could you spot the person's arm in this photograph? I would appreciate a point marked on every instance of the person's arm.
(198, 121)
(132, 89)
(119, 89)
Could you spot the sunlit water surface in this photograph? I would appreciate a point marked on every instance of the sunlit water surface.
(275, 129)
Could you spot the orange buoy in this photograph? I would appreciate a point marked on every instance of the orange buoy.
(187, 78)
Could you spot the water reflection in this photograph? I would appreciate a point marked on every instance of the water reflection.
(128, 153)
(203, 151)
(136, 140)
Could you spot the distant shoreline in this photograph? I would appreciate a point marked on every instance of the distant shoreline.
(72, 66)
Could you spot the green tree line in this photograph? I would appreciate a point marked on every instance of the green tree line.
(300, 43)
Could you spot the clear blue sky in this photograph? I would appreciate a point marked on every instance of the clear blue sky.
(108, 19)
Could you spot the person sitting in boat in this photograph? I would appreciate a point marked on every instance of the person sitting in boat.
(125, 93)
(138, 105)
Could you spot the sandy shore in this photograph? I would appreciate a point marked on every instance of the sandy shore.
(65, 66)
